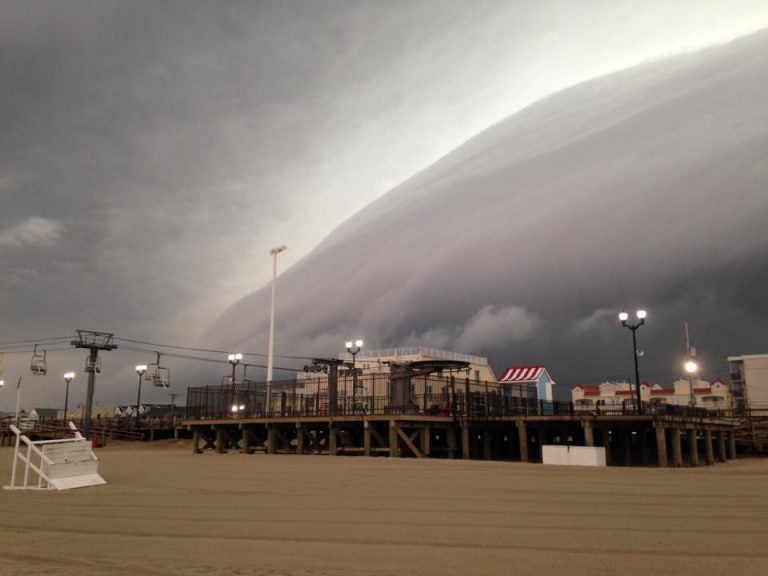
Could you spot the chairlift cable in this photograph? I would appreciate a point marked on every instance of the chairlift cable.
(210, 350)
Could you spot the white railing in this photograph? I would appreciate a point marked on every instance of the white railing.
(58, 464)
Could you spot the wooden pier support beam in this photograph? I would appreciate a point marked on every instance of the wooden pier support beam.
(271, 439)
(465, 441)
(426, 433)
(732, 445)
(394, 450)
(245, 440)
(366, 438)
(409, 440)
(661, 446)
(332, 439)
(299, 438)
(721, 446)
(196, 441)
(677, 448)
(708, 449)
(522, 438)
(693, 448)
(589, 433)
(221, 441)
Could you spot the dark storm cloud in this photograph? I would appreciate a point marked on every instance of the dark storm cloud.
(642, 188)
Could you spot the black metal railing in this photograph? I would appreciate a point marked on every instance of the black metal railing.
(366, 394)
(378, 394)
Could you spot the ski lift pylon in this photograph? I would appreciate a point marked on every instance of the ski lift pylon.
(38, 364)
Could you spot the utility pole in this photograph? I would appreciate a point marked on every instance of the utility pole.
(92, 341)
(691, 366)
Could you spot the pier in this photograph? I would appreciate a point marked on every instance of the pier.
(447, 417)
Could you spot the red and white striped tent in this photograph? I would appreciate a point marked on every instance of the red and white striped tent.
(537, 375)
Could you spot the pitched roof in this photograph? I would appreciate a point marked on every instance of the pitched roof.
(522, 374)
(588, 387)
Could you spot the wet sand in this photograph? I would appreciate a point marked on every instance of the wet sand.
(166, 511)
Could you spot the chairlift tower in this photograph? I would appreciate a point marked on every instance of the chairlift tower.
(93, 341)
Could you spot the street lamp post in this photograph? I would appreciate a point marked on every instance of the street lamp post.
(691, 367)
(68, 377)
(140, 370)
(353, 348)
(624, 319)
(234, 359)
(271, 348)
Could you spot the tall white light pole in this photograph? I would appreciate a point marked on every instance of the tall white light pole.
(270, 352)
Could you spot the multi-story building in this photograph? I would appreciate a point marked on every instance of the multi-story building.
(618, 395)
(749, 380)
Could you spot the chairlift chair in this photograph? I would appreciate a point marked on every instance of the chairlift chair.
(158, 375)
(92, 365)
(38, 365)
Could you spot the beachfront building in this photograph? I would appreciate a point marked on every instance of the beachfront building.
(373, 368)
(749, 380)
(620, 395)
(379, 361)
(536, 378)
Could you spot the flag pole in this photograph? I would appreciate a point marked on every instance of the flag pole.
(18, 400)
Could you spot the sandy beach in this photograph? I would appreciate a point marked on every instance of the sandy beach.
(168, 511)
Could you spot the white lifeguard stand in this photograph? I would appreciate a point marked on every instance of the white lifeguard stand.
(54, 464)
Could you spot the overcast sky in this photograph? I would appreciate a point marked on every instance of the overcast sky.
(151, 153)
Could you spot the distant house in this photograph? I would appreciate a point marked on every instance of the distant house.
(123, 411)
(129, 410)
(42, 414)
(160, 411)
(535, 377)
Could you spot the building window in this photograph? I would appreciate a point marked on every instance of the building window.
(735, 370)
